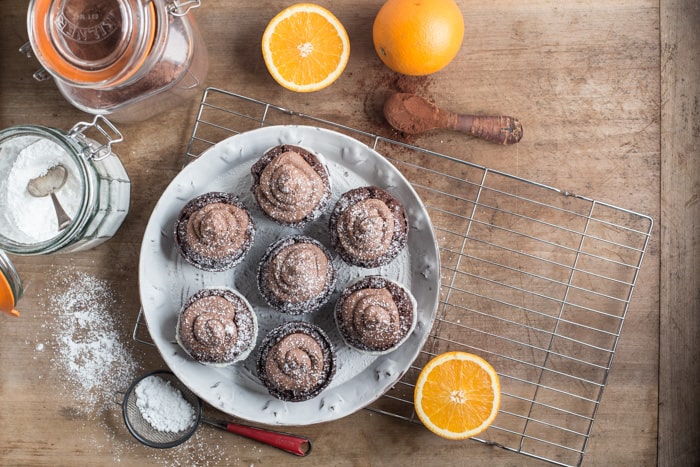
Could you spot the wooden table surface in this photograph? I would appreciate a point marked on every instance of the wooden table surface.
(608, 94)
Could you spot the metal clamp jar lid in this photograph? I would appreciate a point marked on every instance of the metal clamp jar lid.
(123, 58)
(11, 288)
(60, 191)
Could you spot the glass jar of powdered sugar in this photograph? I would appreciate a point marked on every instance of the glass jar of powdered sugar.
(60, 191)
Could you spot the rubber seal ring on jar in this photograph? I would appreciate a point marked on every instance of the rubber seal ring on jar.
(7, 299)
(105, 128)
(125, 28)
(10, 286)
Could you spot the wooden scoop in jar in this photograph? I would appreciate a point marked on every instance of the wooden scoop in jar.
(412, 114)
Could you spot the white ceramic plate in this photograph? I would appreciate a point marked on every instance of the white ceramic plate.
(166, 280)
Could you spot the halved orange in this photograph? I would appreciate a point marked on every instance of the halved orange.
(457, 395)
(305, 47)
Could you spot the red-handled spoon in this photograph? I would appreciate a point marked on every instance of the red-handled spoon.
(293, 444)
(145, 432)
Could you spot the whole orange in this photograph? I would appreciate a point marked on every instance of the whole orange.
(418, 37)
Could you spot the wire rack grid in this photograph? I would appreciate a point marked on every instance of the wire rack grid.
(535, 279)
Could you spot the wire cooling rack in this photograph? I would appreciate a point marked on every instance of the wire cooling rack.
(535, 279)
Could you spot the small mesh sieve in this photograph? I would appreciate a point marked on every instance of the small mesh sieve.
(143, 430)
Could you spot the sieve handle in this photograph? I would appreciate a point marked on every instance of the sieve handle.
(293, 444)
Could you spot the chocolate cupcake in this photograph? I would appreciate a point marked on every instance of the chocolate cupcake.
(375, 314)
(217, 326)
(291, 185)
(296, 361)
(368, 227)
(214, 231)
(296, 274)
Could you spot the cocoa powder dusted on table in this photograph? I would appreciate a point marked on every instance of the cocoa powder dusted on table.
(379, 87)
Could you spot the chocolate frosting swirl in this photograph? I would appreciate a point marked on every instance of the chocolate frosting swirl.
(296, 361)
(217, 230)
(366, 229)
(375, 314)
(290, 184)
(372, 317)
(216, 326)
(214, 231)
(296, 274)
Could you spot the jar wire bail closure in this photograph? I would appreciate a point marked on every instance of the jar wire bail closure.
(182, 8)
(92, 150)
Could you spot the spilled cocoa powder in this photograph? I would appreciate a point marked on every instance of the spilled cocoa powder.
(412, 114)
(378, 87)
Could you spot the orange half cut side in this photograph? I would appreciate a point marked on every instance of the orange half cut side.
(457, 395)
(305, 47)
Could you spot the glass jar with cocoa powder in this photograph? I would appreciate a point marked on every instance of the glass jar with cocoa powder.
(125, 59)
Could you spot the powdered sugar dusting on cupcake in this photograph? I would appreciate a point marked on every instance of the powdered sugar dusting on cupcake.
(291, 185)
(368, 227)
(296, 361)
(296, 274)
(217, 327)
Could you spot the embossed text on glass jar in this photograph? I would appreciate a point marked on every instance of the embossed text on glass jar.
(125, 59)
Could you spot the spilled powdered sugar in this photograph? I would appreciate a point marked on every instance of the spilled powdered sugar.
(90, 355)
(91, 361)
